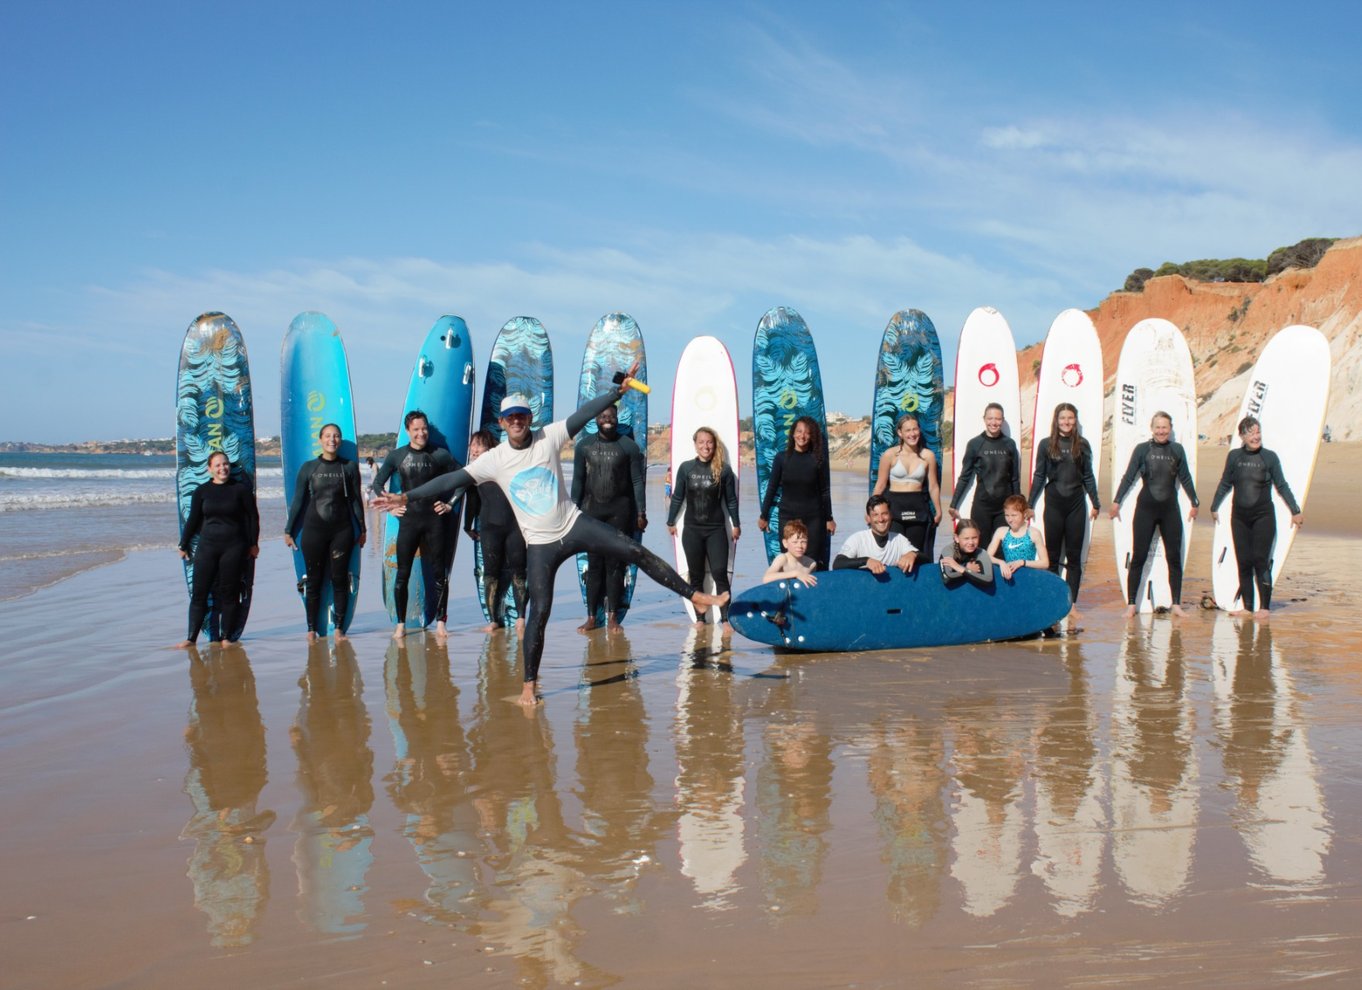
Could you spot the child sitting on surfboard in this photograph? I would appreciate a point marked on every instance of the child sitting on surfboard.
(967, 560)
(1018, 544)
(793, 563)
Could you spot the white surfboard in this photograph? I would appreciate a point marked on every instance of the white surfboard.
(985, 371)
(1153, 375)
(1288, 390)
(1070, 371)
(705, 394)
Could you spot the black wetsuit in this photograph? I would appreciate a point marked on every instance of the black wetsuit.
(801, 484)
(995, 464)
(1253, 525)
(1163, 467)
(704, 537)
(325, 519)
(225, 519)
(1065, 480)
(420, 527)
(607, 484)
(489, 520)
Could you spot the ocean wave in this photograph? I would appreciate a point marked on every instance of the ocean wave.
(82, 552)
(14, 502)
(110, 474)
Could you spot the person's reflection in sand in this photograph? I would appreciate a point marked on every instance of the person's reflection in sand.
(332, 853)
(226, 741)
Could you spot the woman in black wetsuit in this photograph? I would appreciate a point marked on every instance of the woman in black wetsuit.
(1064, 474)
(1162, 464)
(801, 484)
(910, 479)
(707, 489)
(223, 515)
(489, 519)
(325, 521)
(1251, 472)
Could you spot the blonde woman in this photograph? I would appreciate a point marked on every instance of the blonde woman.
(707, 489)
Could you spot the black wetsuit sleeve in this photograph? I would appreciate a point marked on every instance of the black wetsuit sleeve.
(579, 472)
(590, 410)
(385, 471)
(1226, 482)
(1038, 476)
(252, 512)
(841, 563)
(1016, 468)
(678, 492)
(968, 466)
(448, 486)
(1090, 477)
(195, 520)
(825, 485)
(1274, 465)
(300, 495)
(638, 469)
(773, 485)
(1133, 470)
(729, 481)
(472, 509)
(1185, 476)
(354, 490)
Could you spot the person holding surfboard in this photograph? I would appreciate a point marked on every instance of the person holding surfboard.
(1064, 474)
(1162, 464)
(489, 519)
(878, 547)
(528, 468)
(607, 484)
(967, 559)
(909, 478)
(223, 515)
(1251, 472)
(707, 489)
(421, 528)
(994, 463)
(325, 521)
(801, 484)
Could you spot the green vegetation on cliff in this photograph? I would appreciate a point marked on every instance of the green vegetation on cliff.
(1303, 254)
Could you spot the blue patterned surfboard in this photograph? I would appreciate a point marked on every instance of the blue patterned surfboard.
(214, 411)
(908, 378)
(442, 385)
(314, 376)
(521, 362)
(614, 345)
(786, 385)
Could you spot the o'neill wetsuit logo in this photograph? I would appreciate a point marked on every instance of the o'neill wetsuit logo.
(1072, 375)
(989, 376)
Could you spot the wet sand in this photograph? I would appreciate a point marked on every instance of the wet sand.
(1156, 803)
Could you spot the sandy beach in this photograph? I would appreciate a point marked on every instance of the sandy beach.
(1152, 803)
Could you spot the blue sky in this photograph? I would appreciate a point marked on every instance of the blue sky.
(692, 165)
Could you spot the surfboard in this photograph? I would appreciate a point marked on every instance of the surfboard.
(786, 385)
(614, 344)
(1153, 375)
(214, 411)
(1288, 391)
(705, 393)
(854, 610)
(908, 378)
(521, 362)
(442, 384)
(1070, 371)
(985, 372)
(315, 390)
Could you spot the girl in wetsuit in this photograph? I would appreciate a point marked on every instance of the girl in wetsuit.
(325, 521)
(489, 519)
(1251, 472)
(801, 485)
(223, 515)
(1064, 474)
(993, 462)
(967, 560)
(707, 489)
(1018, 544)
(1162, 464)
(909, 478)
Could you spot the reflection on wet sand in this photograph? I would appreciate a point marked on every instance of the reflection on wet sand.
(1280, 815)
(226, 741)
(330, 737)
(1154, 767)
(710, 781)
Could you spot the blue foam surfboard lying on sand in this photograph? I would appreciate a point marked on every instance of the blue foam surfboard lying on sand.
(856, 610)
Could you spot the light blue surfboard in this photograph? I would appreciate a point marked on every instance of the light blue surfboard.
(908, 378)
(314, 390)
(442, 385)
(521, 363)
(854, 610)
(786, 385)
(214, 411)
(614, 344)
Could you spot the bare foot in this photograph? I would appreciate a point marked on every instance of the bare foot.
(1074, 615)
(528, 697)
(700, 623)
(702, 600)
(613, 625)
(588, 625)
(1179, 611)
(1260, 615)
(1130, 611)
(441, 631)
(185, 644)
(728, 628)
(490, 627)
(340, 636)
(311, 636)
(400, 632)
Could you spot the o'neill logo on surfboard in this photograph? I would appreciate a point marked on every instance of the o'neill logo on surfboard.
(988, 375)
(1072, 375)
